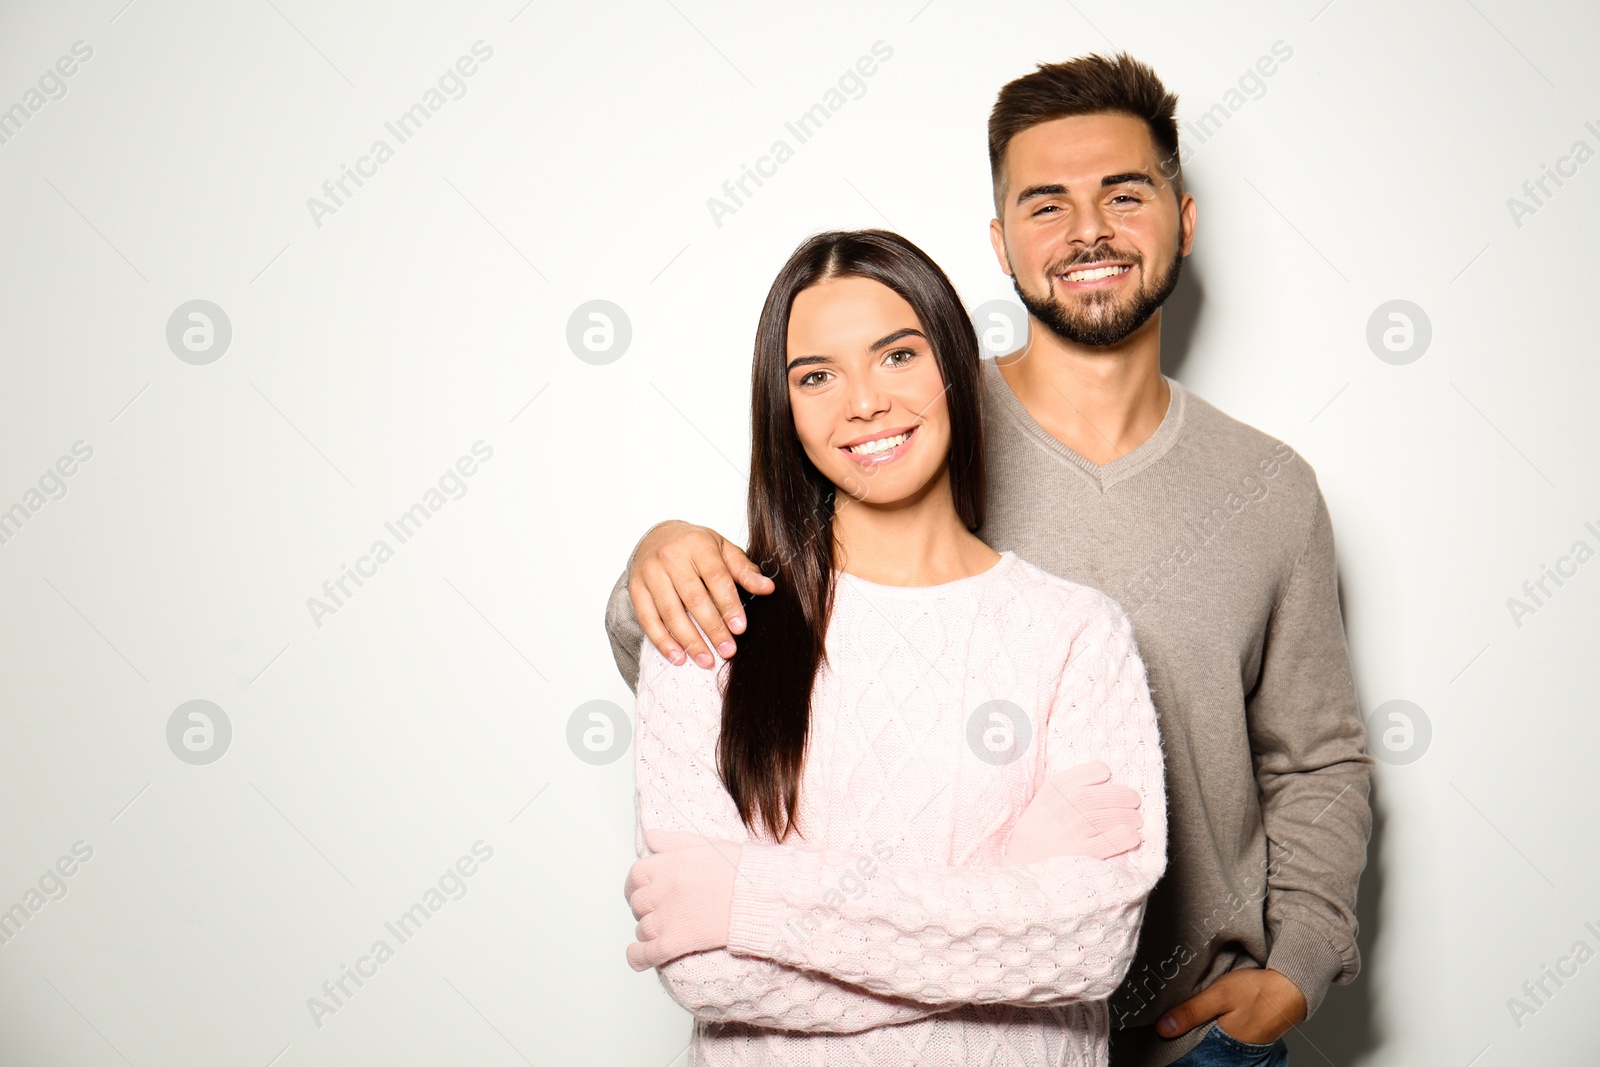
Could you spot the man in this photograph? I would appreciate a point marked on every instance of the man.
(1213, 535)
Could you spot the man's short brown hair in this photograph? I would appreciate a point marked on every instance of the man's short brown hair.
(1083, 86)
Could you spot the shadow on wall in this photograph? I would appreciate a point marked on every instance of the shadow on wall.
(1344, 1031)
(1180, 316)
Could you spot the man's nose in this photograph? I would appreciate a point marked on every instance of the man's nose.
(1090, 225)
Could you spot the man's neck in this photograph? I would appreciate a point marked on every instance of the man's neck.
(1100, 402)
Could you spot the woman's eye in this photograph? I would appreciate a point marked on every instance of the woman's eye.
(901, 356)
(813, 378)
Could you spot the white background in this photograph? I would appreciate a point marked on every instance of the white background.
(431, 709)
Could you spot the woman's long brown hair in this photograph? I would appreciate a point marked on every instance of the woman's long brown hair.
(766, 705)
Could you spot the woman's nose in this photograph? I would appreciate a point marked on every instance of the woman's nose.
(867, 399)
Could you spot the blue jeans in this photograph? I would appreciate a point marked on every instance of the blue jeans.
(1218, 1049)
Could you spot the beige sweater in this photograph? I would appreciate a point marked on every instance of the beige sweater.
(1216, 540)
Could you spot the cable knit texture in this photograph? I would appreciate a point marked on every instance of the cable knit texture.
(891, 934)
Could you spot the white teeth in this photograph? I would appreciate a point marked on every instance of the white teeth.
(1095, 274)
(883, 444)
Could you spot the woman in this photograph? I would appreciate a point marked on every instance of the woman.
(883, 832)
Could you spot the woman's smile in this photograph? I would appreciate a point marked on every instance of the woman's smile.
(876, 450)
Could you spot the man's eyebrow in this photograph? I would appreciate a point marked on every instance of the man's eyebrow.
(1138, 177)
(1033, 192)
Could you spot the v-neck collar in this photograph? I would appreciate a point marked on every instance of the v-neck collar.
(1102, 476)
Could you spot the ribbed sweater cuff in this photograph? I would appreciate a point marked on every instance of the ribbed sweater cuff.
(760, 905)
(1303, 956)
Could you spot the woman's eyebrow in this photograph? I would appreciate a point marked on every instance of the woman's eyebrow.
(905, 331)
(882, 342)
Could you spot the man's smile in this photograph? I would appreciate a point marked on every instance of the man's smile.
(1095, 276)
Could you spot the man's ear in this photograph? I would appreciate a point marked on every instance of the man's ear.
(997, 238)
(1187, 212)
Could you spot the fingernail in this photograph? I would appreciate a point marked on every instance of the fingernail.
(736, 624)
(1166, 1025)
(676, 657)
(703, 658)
(725, 649)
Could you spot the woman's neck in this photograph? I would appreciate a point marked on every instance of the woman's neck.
(913, 543)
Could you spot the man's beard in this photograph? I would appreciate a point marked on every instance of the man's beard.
(1098, 330)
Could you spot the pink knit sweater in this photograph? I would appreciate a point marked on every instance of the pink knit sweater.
(891, 935)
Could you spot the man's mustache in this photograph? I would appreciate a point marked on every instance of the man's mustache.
(1086, 261)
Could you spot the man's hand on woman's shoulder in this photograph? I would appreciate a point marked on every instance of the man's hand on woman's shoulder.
(684, 574)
